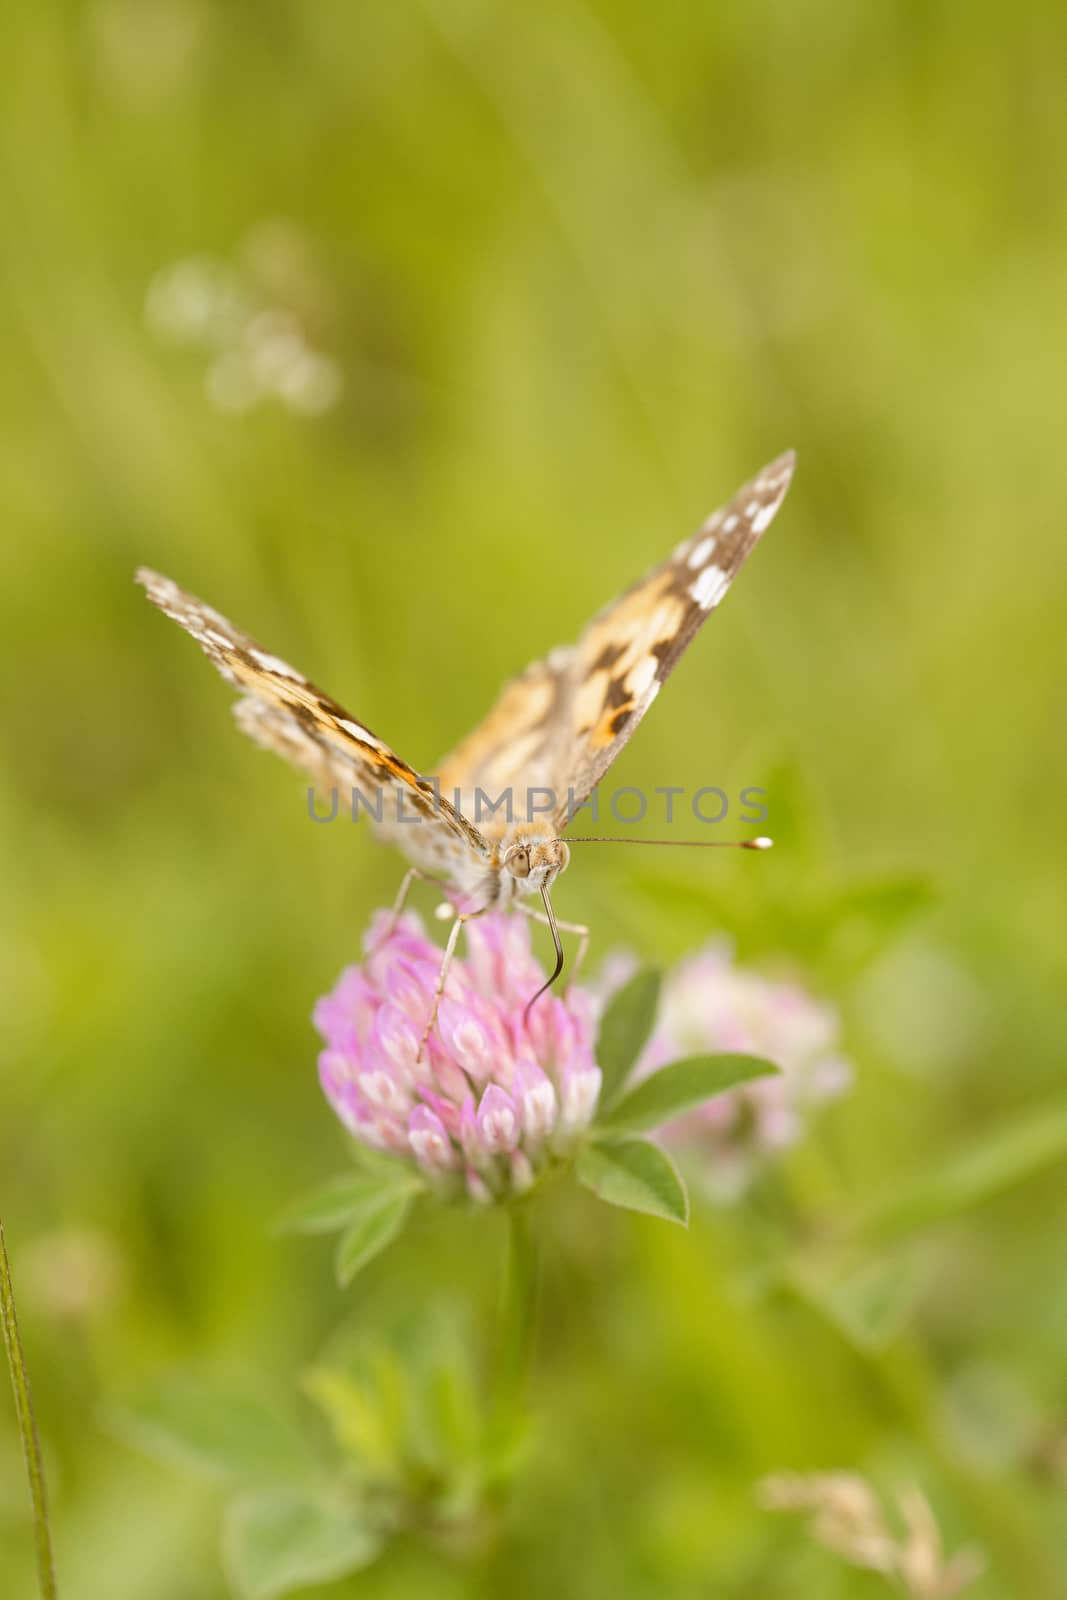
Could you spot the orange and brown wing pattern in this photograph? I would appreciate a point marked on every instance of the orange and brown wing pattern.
(516, 747)
(630, 648)
(284, 712)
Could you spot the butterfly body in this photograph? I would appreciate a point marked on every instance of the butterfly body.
(544, 746)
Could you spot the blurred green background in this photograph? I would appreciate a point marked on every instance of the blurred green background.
(564, 277)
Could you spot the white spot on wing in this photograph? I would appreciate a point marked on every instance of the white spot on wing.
(701, 552)
(359, 732)
(731, 522)
(275, 664)
(641, 675)
(764, 517)
(709, 586)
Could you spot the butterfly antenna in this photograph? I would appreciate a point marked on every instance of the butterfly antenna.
(559, 957)
(760, 843)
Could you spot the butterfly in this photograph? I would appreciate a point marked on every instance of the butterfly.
(553, 732)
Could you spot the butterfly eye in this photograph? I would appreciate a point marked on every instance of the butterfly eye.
(517, 862)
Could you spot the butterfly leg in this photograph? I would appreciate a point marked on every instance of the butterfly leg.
(579, 929)
(410, 877)
(461, 920)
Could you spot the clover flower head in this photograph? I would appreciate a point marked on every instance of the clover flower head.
(709, 1005)
(495, 1094)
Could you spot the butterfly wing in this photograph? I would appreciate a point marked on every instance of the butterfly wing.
(631, 647)
(514, 748)
(282, 711)
(560, 725)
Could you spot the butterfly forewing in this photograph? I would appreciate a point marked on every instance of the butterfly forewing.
(633, 645)
(286, 713)
(558, 726)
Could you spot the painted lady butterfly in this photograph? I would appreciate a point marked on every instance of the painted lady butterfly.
(555, 730)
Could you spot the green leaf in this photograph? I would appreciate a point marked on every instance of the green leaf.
(370, 1230)
(681, 1086)
(971, 1176)
(218, 1432)
(368, 1416)
(278, 1541)
(625, 1028)
(338, 1201)
(636, 1174)
(449, 1419)
(872, 1304)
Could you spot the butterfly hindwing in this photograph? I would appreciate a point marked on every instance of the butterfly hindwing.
(514, 748)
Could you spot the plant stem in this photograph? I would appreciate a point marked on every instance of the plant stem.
(27, 1427)
(518, 1312)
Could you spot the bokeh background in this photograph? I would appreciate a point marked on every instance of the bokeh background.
(407, 335)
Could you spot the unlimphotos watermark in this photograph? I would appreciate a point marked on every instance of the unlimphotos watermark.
(666, 803)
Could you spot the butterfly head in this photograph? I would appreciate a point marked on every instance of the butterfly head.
(534, 859)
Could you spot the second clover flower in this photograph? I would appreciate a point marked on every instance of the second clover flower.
(710, 1004)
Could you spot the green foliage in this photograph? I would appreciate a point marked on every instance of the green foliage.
(369, 1229)
(218, 1431)
(415, 1441)
(871, 1303)
(341, 1201)
(279, 1540)
(680, 1086)
(368, 1414)
(368, 1208)
(635, 1174)
(970, 1176)
(624, 1030)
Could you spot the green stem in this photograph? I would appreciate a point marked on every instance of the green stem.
(518, 1315)
(27, 1427)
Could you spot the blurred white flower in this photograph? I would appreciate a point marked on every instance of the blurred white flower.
(258, 351)
(197, 301)
(312, 383)
(231, 383)
(274, 342)
(285, 366)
